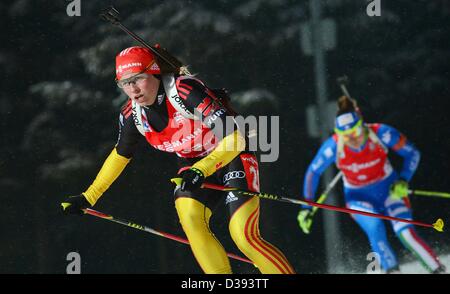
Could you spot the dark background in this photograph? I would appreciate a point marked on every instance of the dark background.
(59, 108)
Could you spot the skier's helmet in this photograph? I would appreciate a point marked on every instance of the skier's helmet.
(136, 60)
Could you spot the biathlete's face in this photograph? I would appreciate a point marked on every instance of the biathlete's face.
(354, 137)
(141, 87)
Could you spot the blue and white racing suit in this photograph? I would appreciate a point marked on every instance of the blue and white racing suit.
(368, 176)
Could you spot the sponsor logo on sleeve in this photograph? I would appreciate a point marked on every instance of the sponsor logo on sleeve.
(230, 198)
(233, 175)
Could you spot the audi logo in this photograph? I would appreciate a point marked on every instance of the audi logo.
(233, 175)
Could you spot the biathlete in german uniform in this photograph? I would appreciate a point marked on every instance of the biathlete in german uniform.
(161, 109)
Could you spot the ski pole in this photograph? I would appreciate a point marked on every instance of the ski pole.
(429, 193)
(438, 225)
(149, 230)
(324, 195)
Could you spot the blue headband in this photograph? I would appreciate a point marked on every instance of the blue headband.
(346, 121)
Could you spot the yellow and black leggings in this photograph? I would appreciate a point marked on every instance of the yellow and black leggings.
(195, 211)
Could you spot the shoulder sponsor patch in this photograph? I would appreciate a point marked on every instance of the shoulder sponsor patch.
(386, 137)
(328, 152)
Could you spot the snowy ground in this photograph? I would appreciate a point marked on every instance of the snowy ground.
(417, 268)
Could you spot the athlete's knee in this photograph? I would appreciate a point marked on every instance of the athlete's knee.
(405, 232)
(243, 224)
(401, 228)
(241, 234)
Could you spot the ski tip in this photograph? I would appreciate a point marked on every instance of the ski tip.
(439, 225)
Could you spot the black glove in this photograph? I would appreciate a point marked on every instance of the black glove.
(192, 180)
(75, 204)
